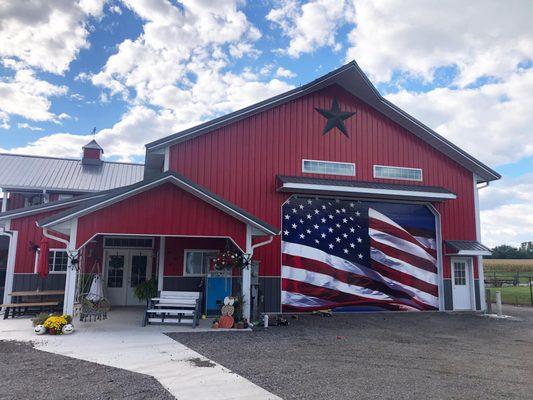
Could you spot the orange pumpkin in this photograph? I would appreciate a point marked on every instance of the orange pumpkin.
(226, 322)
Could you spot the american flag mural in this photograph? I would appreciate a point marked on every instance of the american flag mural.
(357, 256)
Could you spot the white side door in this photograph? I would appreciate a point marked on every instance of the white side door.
(462, 283)
(138, 271)
(116, 265)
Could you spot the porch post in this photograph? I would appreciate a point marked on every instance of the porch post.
(161, 263)
(247, 277)
(72, 272)
(10, 270)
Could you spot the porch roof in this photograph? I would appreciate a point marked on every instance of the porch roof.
(114, 196)
(466, 248)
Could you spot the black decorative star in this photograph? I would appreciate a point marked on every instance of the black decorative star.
(335, 118)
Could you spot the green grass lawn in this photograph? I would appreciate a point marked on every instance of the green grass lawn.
(516, 295)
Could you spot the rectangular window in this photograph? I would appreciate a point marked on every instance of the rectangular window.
(407, 174)
(136, 242)
(57, 260)
(328, 167)
(197, 262)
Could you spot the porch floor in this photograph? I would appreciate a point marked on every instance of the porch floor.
(121, 341)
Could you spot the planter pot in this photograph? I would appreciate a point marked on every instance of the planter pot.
(239, 325)
(52, 331)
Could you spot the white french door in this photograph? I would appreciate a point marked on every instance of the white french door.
(462, 283)
(124, 270)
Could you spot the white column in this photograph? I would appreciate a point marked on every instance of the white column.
(72, 272)
(247, 278)
(4, 201)
(161, 263)
(481, 272)
(10, 271)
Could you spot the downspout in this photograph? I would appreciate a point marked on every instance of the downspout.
(58, 239)
(260, 244)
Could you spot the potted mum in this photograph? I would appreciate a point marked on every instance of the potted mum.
(55, 323)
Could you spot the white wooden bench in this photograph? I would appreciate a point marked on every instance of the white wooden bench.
(174, 308)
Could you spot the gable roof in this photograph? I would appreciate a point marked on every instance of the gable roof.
(97, 202)
(93, 145)
(23, 172)
(352, 79)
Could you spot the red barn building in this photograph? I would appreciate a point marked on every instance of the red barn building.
(341, 199)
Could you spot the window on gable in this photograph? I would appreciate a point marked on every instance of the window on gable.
(328, 167)
(407, 174)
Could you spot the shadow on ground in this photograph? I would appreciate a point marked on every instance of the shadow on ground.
(385, 356)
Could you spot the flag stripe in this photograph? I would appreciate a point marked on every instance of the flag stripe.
(365, 277)
(339, 297)
(403, 266)
(407, 279)
(381, 226)
(400, 244)
(406, 257)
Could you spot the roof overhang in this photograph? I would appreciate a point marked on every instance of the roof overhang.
(466, 248)
(352, 79)
(260, 227)
(362, 189)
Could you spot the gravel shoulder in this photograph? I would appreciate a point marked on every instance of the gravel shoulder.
(385, 356)
(28, 373)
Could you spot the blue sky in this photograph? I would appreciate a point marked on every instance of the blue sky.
(140, 70)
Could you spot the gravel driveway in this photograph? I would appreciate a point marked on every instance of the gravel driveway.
(28, 373)
(382, 356)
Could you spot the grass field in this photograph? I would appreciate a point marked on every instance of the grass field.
(499, 266)
(515, 270)
(516, 295)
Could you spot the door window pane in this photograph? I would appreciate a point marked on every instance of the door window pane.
(459, 273)
(138, 270)
(115, 271)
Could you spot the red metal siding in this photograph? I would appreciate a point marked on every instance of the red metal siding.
(29, 233)
(164, 210)
(240, 161)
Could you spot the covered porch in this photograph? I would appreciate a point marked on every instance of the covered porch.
(166, 230)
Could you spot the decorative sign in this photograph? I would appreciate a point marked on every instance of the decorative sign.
(335, 117)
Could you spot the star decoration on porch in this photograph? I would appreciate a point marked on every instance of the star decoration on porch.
(335, 117)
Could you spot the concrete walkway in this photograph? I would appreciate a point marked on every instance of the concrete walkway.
(121, 342)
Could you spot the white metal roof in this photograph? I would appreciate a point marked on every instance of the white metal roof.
(23, 172)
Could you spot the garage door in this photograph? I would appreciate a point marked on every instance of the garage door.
(352, 255)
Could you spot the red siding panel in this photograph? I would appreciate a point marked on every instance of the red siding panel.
(164, 210)
(28, 234)
(240, 161)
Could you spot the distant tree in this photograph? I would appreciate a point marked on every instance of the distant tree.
(505, 251)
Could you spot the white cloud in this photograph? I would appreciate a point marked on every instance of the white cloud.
(493, 122)
(479, 37)
(507, 211)
(46, 34)
(180, 65)
(27, 96)
(25, 125)
(284, 73)
(311, 25)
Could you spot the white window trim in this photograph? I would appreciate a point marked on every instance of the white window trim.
(128, 237)
(396, 178)
(328, 162)
(36, 261)
(185, 251)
